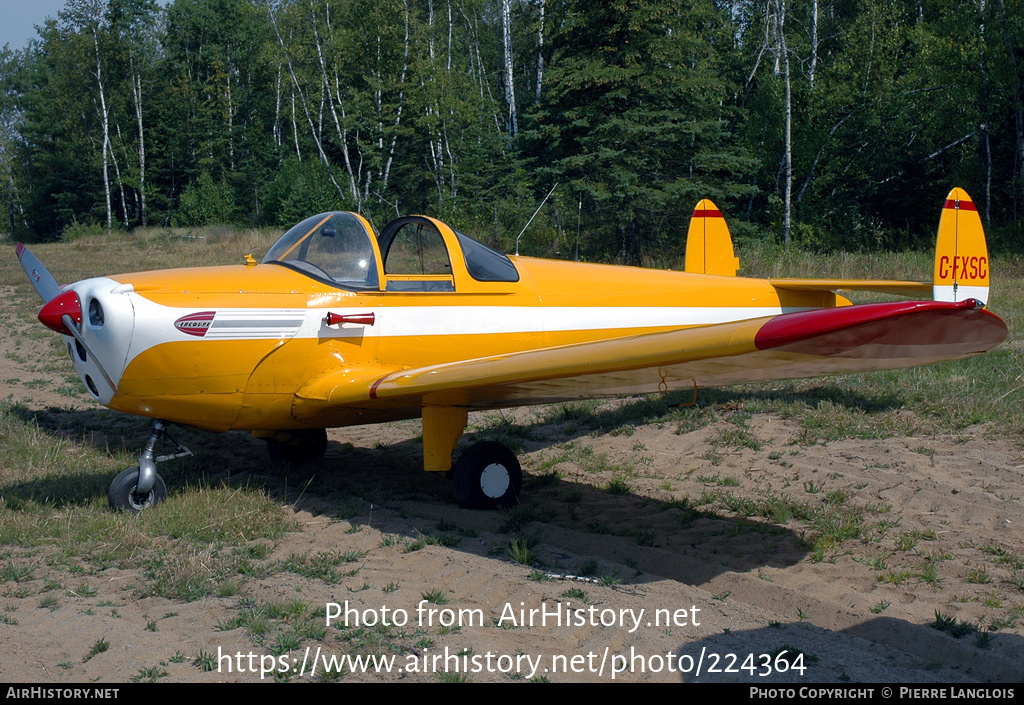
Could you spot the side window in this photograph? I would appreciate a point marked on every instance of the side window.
(417, 260)
(485, 264)
(417, 248)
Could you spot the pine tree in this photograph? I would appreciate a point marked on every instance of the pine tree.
(635, 118)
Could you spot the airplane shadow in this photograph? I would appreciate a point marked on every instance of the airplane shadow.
(564, 422)
(622, 536)
(614, 532)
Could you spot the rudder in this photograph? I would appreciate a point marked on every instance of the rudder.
(961, 254)
(708, 243)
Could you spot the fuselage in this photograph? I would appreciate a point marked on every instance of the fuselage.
(229, 347)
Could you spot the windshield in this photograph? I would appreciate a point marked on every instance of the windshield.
(333, 247)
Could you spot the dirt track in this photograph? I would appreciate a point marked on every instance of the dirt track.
(941, 527)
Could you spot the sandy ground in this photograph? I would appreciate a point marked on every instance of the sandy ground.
(636, 583)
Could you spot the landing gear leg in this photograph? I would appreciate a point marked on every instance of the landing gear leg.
(140, 487)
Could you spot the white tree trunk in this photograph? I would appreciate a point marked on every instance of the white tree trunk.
(814, 42)
(120, 181)
(783, 56)
(305, 107)
(510, 91)
(105, 118)
(136, 82)
(401, 102)
(353, 178)
(540, 49)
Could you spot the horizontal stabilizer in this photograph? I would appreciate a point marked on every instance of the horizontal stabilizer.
(917, 290)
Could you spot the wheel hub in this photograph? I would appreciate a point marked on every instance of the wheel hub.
(140, 501)
(494, 480)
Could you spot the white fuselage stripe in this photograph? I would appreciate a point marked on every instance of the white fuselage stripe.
(503, 320)
(155, 322)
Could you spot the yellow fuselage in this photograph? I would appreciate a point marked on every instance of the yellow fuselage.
(251, 382)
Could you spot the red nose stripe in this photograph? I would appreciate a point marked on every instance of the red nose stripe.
(66, 303)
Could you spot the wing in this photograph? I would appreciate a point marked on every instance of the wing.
(804, 344)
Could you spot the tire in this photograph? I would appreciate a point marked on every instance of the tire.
(121, 494)
(487, 476)
(298, 447)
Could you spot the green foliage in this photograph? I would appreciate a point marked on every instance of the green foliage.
(635, 136)
(302, 188)
(205, 202)
(127, 112)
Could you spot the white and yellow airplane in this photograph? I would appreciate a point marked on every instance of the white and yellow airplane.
(341, 326)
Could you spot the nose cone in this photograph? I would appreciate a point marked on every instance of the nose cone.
(102, 321)
(59, 306)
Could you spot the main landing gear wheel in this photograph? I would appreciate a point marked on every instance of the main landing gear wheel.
(122, 494)
(297, 447)
(487, 476)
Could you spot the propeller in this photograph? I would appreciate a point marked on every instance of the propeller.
(62, 311)
(46, 286)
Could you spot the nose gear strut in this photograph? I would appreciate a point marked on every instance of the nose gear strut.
(137, 488)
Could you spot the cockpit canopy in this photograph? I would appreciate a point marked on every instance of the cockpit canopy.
(341, 249)
(335, 247)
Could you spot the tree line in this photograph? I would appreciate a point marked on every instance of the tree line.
(822, 123)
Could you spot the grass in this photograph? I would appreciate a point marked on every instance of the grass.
(520, 551)
(950, 625)
(324, 565)
(205, 661)
(99, 647)
(43, 473)
(149, 675)
(576, 594)
(215, 538)
(435, 597)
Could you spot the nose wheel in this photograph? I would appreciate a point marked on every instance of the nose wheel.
(141, 487)
(124, 492)
(487, 476)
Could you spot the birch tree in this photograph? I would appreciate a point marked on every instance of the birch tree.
(510, 86)
(88, 17)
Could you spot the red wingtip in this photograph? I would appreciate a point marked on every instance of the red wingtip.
(847, 327)
(18, 249)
